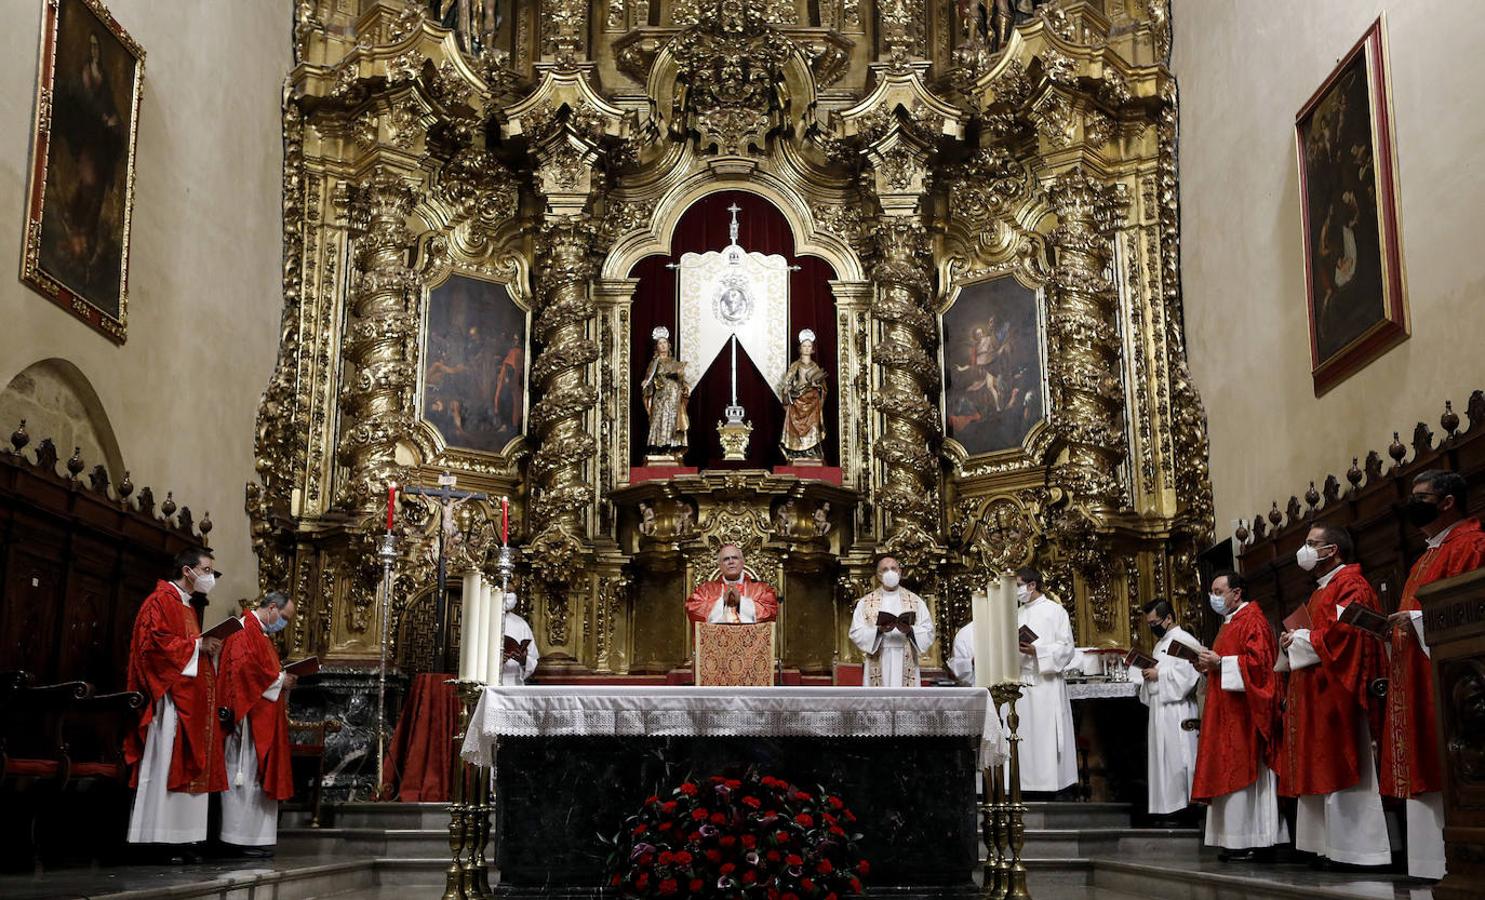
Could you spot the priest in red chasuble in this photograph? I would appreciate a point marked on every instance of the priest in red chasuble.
(256, 690)
(1239, 739)
(1328, 760)
(734, 597)
(176, 751)
(1410, 738)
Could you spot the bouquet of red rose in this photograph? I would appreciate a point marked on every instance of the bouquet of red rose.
(739, 837)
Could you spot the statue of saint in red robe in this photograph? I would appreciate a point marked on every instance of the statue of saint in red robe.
(253, 684)
(176, 751)
(1410, 738)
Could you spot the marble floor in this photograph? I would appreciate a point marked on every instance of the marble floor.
(91, 882)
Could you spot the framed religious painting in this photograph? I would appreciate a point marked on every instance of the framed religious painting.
(994, 373)
(474, 377)
(81, 193)
(1354, 279)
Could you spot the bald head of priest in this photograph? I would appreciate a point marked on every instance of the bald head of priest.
(732, 596)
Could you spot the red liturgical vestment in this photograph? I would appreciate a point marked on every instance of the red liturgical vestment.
(1238, 728)
(165, 632)
(1410, 738)
(1325, 701)
(250, 666)
(702, 600)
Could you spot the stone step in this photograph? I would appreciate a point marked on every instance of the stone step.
(363, 814)
(1212, 880)
(280, 880)
(411, 843)
(1064, 843)
(1059, 814)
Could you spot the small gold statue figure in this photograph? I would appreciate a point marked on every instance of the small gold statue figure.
(665, 394)
(803, 393)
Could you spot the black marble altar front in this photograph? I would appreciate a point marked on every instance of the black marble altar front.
(554, 797)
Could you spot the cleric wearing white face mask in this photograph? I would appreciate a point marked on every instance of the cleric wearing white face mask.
(893, 628)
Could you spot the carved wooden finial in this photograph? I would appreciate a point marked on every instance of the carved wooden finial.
(20, 437)
(98, 479)
(1354, 474)
(1312, 497)
(1274, 516)
(75, 462)
(147, 501)
(1331, 490)
(1292, 508)
(46, 456)
(1449, 421)
(1476, 409)
(1396, 450)
(183, 519)
(1242, 533)
(168, 507)
(126, 487)
(1422, 439)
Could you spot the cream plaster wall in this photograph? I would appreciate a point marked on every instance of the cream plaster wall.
(204, 284)
(1244, 68)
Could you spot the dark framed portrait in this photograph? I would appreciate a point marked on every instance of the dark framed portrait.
(474, 364)
(1354, 282)
(81, 193)
(993, 370)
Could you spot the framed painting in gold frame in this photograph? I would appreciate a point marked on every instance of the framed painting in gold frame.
(994, 372)
(1354, 279)
(81, 192)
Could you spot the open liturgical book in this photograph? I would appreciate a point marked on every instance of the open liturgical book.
(517, 650)
(1183, 651)
(1026, 635)
(1138, 659)
(1365, 618)
(307, 666)
(903, 622)
(223, 629)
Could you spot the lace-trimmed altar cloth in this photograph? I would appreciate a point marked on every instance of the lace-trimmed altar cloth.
(597, 711)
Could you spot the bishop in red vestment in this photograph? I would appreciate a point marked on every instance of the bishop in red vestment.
(176, 751)
(1330, 714)
(1239, 739)
(255, 688)
(734, 597)
(1411, 769)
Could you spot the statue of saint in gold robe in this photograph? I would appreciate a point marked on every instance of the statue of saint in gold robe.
(803, 393)
(665, 393)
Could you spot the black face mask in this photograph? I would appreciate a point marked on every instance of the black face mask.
(1420, 512)
(1158, 630)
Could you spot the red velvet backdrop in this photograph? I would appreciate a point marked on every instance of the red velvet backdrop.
(763, 228)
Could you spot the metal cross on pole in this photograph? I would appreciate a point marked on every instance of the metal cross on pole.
(448, 500)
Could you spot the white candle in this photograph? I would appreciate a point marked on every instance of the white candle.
(1009, 628)
(983, 642)
(494, 632)
(469, 626)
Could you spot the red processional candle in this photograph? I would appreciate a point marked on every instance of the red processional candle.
(391, 503)
(504, 520)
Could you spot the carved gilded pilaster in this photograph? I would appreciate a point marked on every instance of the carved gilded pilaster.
(379, 373)
(1083, 338)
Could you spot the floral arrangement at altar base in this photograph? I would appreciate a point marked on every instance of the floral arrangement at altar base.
(750, 837)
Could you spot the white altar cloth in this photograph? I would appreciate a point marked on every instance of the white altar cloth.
(584, 710)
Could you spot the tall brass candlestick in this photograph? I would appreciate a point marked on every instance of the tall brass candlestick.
(992, 825)
(454, 876)
(1015, 828)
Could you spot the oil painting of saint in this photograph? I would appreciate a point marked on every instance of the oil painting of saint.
(474, 364)
(1352, 260)
(992, 366)
(83, 159)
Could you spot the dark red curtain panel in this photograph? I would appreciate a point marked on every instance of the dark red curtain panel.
(701, 228)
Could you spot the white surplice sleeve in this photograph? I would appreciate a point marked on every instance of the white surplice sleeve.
(864, 634)
(1054, 651)
(923, 628)
(962, 660)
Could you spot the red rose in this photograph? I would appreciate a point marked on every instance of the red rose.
(716, 779)
(616, 880)
(728, 840)
(668, 806)
(790, 896)
(666, 826)
(831, 896)
(733, 783)
(801, 795)
(694, 837)
(773, 856)
(641, 828)
(665, 857)
(807, 883)
(835, 802)
(805, 819)
(727, 868)
(782, 837)
(651, 799)
(749, 876)
(698, 814)
(856, 885)
(835, 830)
(683, 857)
(863, 867)
(749, 841)
(824, 867)
(754, 802)
(714, 856)
(794, 859)
(645, 860)
(696, 885)
(641, 880)
(850, 817)
(719, 819)
(688, 789)
(669, 886)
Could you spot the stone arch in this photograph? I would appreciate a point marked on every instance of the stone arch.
(58, 401)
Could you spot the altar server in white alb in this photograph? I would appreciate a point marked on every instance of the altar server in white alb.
(893, 628)
(521, 655)
(1049, 758)
(1169, 690)
(962, 657)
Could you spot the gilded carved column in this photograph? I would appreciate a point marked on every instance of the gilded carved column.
(1083, 337)
(380, 375)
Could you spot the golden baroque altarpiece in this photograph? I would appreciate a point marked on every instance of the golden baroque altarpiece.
(552, 144)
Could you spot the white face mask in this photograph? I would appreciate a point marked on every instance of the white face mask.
(1023, 593)
(890, 579)
(1219, 604)
(1307, 557)
(510, 602)
(204, 583)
